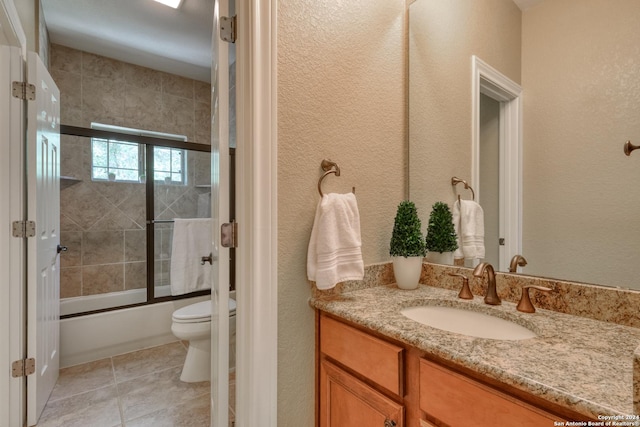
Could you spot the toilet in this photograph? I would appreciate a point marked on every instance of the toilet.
(193, 323)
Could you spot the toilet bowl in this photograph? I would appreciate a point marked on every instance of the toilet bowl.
(193, 323)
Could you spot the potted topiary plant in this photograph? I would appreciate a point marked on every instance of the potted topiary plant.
(441, 238)
(407, 246)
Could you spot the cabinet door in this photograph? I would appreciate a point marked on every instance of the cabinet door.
(346, 401)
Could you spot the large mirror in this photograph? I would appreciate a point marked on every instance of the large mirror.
(578, 63)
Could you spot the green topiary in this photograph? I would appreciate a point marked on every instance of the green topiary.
(406, 239)
(441, 234)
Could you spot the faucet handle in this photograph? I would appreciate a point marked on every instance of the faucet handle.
(525, 304)
(465, 292)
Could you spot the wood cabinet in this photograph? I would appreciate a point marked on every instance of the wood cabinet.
(366, 381)
(456, 400)
(360, 378)
(346, 401)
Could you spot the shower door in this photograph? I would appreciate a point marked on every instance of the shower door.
(220, 214)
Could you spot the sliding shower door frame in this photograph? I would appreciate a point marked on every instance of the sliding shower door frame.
(149, 142)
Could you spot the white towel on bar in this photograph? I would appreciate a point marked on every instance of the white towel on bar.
(468, 219)
(191, 241)
(334, 253)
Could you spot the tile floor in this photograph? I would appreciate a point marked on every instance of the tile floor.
(137, 389)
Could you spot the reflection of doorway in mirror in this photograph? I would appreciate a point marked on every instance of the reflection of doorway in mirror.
(490, 83)
(489, 175)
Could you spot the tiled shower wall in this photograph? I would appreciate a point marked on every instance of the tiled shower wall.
(103, 223)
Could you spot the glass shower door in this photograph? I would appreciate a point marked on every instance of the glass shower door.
(181, 193)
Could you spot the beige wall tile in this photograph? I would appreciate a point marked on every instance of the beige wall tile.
(177, 86)
(135, 275)
(202, 92)
(67, 224)
(71, 157)
(115, 219)
(142, 107)
(70, 282)
(64, 58)
(70, 91)
(102, 100)
(134, 206)
(73, 241)
(82, 205)
(102, 67)
(142, 77)
(99, 279)
(135, 245)
(102, 247)
(203, 123)
(178, 115)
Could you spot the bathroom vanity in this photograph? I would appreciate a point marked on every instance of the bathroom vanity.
(376, 367)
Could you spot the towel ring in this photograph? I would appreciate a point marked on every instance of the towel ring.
(329, 167)
(455, 181)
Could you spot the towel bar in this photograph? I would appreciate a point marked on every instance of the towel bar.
(329, 167)
(455, 181)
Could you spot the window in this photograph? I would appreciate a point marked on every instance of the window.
(114, 160)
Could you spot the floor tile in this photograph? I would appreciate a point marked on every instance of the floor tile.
(138, 363)
(153, 392)
(97, 408)
(83, 378)
(194, 413)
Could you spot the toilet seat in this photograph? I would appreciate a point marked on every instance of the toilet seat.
(199, 312)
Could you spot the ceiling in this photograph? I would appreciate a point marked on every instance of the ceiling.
(141, 32)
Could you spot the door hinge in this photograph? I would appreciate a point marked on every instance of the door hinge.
(228, 28)
(229, 235)
(23, 368)
(23, 90)
(23, 229)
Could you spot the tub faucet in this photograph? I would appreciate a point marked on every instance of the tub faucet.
(491, 297)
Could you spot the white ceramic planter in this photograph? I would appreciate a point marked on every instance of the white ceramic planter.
(440, 257)
(407, 271)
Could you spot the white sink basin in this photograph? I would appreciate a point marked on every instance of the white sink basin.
(466, 322)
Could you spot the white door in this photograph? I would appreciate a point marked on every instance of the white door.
(220, 215)
(43, 262)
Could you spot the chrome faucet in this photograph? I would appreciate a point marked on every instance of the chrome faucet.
(491, 297)
(517, 261)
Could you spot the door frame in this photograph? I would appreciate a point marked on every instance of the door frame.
(489, 81)
(257, 215)
(257, 208)
(12, 182)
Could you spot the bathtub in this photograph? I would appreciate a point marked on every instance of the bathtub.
(97, 336)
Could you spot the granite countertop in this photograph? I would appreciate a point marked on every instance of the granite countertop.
(581, 364)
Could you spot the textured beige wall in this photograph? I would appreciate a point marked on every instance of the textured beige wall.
(443, 35)
(581, 77)
(341, 96)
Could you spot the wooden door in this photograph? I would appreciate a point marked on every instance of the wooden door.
(43, 262)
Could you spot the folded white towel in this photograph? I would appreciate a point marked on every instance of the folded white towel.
(334, 253)
(468, 219)
(191, 241)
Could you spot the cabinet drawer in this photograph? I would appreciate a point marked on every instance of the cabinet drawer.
(455, 400)
(370, 357)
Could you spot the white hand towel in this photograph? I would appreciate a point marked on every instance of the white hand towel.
(468, 219)
(334, 253)
(191, 241)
